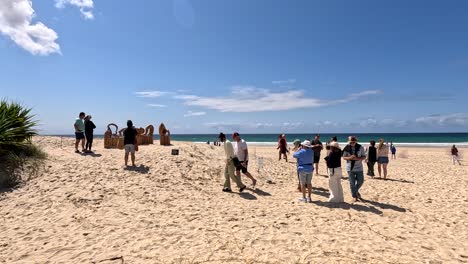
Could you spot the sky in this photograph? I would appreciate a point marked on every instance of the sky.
(259, 66)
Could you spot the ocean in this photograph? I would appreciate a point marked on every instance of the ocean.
(399, 139)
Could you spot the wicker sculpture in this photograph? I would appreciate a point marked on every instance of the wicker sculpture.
(164, 135)
(112, 140)
(144, 136)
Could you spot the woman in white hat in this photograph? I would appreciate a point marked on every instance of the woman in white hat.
(334, 172)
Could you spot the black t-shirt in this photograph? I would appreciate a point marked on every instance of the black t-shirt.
(317, 149)
(129, 136)
(89, 127)
(372, 154)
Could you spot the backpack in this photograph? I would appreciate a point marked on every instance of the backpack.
(334, 159)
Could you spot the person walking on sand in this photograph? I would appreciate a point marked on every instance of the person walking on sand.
(371, 158)
(130, 142)
(79, 132)
(333, 160)
(305, 159)
(455, 157)
(242, 153)
(393, 150)
(283, 147)
(89, 131)
(354, 154)
(317, 147)
(382, 158)
(230, 168)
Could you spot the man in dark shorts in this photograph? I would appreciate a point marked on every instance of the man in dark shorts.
(317, 147)
(242, 153)
(79, 132)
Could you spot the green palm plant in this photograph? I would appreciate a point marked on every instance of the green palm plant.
(17, 127)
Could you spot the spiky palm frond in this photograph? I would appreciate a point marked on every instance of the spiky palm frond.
(17, 126)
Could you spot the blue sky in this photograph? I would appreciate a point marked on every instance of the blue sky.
(251, 66)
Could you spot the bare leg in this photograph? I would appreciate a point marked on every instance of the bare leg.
(286, 157)
(133, 159)
(316, 168)
(254, 181)
(384, 170)
(126, 159)
(76, 144)
(309, 189)
(82, 144)
(279, 158)
(380, 170)
(303, 189)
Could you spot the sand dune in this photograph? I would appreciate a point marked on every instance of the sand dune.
(170, 209)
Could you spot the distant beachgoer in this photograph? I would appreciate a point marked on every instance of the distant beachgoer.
(371, 158)
(393, 150)
(305, 159)
(317, 147)
(455, 157)
(89, 131)
(230, 168)
(297, 146)
(354, 154)
(382, 158)
(283, 147)
(130, 142)
(333, 160)
(242, 153)
(79, 132)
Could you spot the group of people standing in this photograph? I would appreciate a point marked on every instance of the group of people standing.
(308, 152)
(84, 129)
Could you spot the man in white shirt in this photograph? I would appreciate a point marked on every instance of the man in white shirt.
(230, 167)
(242, 153)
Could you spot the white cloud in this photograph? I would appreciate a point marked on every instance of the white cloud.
(16, 22)
(283, 82)
(157, 105)
(85, 6)
(456, 119)
(151, 94)
(244, 99)
(292, 125)
(190, 113)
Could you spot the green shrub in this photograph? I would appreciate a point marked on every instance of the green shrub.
(17, 154)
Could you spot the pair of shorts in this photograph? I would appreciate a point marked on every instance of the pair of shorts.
(79, 135)
(382, 160)
(305, 177)
(243, 168)
(130, 148)
(316, 158)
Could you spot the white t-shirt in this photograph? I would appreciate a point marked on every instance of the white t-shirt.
(239, 150)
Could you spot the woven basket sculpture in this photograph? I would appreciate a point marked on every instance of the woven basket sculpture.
(112, 140)
(164, 135)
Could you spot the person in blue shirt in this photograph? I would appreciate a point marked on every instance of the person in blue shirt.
(305, 160)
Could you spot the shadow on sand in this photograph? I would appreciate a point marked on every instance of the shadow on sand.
(347, 206)
(320, 191)
(92, 154)
(394, 180)
(247, 196)
(259, 192)
(140, 169)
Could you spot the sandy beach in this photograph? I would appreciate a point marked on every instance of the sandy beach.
(170, 209)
